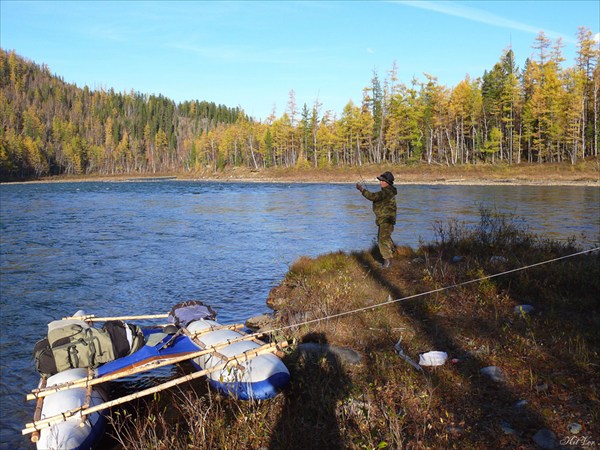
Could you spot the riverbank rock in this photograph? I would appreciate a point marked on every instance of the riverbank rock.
(455, 431)
(345, 355)
(545, 439)
(506, 428)
(522, 310)
(498, 259)
(493, 373)
(261, 322)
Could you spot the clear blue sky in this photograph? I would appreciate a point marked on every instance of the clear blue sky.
(252, 54)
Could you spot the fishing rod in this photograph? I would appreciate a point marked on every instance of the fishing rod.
(360, 175)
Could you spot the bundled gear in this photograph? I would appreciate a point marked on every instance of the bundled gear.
(184, 313)
(74, 343)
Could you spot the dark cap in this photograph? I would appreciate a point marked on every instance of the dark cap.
(387, 177)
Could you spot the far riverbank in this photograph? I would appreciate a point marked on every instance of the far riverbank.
(586, 173)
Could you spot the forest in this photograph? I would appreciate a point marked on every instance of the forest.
(541, 113)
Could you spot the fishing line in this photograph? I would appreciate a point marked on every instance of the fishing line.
(360, 175)
(464, 283)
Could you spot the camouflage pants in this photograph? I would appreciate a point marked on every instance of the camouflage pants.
(384, 240)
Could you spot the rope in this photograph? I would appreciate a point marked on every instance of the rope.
(464, 283)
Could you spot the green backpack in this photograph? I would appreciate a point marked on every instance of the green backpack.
(74, 343)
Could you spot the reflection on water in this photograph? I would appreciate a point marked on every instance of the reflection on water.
(122, 248)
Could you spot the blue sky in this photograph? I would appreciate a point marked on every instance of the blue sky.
(252, 54)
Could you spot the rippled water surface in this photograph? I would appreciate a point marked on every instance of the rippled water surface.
(138, 248)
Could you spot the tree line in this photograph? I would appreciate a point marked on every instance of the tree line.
(542, 113)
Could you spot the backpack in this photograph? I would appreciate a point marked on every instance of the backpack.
(74, 343)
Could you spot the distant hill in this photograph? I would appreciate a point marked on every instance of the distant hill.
(52, 127)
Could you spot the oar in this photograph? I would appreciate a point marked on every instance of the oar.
(63, 417)
(84, 382)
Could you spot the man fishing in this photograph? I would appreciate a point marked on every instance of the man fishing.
(384, 207)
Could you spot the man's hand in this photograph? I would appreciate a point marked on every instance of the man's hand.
(359, 187)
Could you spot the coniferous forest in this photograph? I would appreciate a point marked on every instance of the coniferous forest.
(541, 113)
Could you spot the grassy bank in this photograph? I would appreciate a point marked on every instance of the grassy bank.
(548, 357)
(584, 172)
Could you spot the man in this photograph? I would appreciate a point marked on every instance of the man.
(384, 207)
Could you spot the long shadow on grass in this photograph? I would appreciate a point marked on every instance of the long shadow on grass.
(480, 404)
(308, 419)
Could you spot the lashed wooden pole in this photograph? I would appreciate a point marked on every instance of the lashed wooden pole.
(233, 327)
(195, 338)
(63, 417)
(88, 398)
(38, 411)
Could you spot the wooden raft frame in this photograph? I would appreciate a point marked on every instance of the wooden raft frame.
(84, 411)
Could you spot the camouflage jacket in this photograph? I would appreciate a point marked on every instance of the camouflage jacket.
(384, 204)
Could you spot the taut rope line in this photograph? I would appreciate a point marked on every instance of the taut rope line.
(464, 283)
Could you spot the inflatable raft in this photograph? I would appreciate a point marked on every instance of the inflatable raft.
(72, 402)
(83, 434)
(239, 367)
(259, 378)
(75, 432)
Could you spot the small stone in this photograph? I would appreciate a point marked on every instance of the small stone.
(506, 428)
(455, 430)
(523, 309)
(482, 351)
(541, 387)
(457, 259)
(574, 428)
(520, 404)
(498, 259)
(346, 355)
(494, 373)
(545, 439)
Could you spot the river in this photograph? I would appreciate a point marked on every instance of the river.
(140, 247)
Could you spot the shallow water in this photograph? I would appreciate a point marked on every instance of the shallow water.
(138, 248)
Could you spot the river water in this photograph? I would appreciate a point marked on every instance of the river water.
(125, 248)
